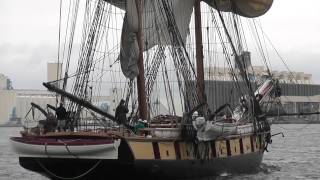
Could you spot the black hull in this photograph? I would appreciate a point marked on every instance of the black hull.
(155, 159)
(142, 169)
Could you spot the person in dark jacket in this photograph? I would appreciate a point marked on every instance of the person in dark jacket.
(61, 113)
(121, 112)
(256, 105)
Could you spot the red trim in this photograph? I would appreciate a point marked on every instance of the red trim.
(213, 148)
(260, 142)
(61, 142)
(156, 150)
(228, 147)
(177, 150)
(251, 142)
(266, 89)
(241, 145)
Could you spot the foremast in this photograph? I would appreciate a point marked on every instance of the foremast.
(199, 51)
(142, 100)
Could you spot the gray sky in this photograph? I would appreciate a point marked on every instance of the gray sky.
(29, 35)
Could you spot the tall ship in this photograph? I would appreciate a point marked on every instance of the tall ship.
(152, 54)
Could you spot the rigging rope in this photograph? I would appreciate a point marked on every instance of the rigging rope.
(240, 65)
(59, 38)
(68, 178)
(80, 87)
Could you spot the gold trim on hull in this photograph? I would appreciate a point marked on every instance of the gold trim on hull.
(180, 150)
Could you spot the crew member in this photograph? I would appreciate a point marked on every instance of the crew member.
(51, 123)
(121, 112)
(228, 117)
(256, 105)
(61, 117)
(139, 125)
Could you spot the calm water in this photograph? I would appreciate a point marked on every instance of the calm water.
(296, 156)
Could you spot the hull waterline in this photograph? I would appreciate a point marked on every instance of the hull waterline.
(56, 168)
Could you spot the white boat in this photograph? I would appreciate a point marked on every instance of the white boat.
(82, 148)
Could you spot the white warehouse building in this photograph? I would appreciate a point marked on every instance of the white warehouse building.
(15, 103)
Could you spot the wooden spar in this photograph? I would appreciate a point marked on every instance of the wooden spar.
(83, 103)
(79, 101)
(40, 109)
(199, 50)
(51, 107)
(142, 99)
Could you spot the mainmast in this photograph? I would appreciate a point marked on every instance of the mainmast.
(140, 79)
(199, 51)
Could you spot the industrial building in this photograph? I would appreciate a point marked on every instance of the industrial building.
(15, 103)
(224, 74)
(54, 73)
(299, 94)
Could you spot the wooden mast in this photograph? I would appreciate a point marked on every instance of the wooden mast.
(140, 79)
(199, 51)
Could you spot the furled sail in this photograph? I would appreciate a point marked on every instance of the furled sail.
(152, 27)
(246, 8)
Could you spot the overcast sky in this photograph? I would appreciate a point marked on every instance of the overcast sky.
(29, 36)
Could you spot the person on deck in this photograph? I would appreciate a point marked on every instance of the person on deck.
(121, 112)
(228, 117)
(61, 113)
(139, 125)
(256, 105)
(51, 123)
